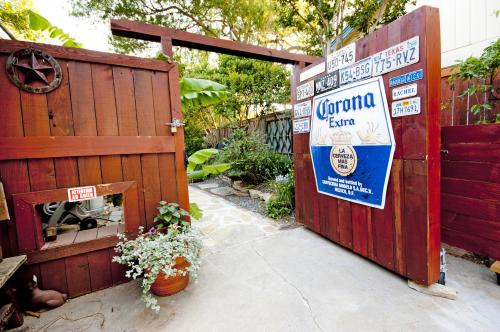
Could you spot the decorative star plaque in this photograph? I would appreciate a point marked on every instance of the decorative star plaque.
(33, 70)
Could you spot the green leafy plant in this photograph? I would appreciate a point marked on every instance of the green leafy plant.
(251, 159)
(157, 250)
(196, 168)
(39, 23)
(196, 92)
(195, 211)
(171, 215)
(282, 203)
(480, 73)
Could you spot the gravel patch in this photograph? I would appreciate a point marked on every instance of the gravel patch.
(248, 203)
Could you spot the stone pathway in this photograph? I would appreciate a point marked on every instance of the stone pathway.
(257, 276)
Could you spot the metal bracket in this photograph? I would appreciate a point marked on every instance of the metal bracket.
(174, 124)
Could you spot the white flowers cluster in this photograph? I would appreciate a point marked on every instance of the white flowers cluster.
(282, 178)
(148, 255)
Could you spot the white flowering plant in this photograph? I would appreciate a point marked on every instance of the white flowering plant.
(157, 250)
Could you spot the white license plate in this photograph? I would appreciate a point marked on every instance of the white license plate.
(302, 109)
(395, 57)
(301, 125)
(305, 90)
(341, 58)
(406, 107)
(358, 71)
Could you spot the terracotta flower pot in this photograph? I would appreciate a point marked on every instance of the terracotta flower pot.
(171, 285)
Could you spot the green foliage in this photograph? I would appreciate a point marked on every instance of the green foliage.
(318, 22)
(255, 87)
(196, 168)
(171, 216)
(195, 211)
(241, 20)
(27, 24)
(252, 159)
(197, 92)
(481, 73)
(282, 203)
(39, 23)
(193, 138)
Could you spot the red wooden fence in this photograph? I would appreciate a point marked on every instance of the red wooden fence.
(404, 236)
(105, 124)
(470, 188)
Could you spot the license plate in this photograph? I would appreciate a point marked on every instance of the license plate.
(302, 109)
(301, 126)
(326, 83)
(305, 90)
(358, 71)
(406, 107)
(341, 58)
(395, 57)
(405, 91)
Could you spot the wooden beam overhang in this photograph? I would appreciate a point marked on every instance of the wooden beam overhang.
(150, 32)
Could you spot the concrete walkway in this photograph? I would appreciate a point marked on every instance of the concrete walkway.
(258, 277)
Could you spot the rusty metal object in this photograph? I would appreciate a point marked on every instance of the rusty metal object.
(29, 65)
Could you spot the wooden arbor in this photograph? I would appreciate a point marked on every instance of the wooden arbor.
(404, 237)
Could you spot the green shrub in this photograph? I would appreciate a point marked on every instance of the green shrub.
(282, 202)
(252, 159)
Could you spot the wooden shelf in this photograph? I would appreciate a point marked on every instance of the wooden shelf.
(8, 266)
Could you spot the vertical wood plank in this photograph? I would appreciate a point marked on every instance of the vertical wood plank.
(36, 123)
(82, 103)
(13, 173)
(127, 126)
(166, 161)
(106, 118)
(77, 275)
(147, 127)
(100, 269)
(61, 124)
(54, 275)
(180, 168)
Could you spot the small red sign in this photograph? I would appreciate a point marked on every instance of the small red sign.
(81, 193)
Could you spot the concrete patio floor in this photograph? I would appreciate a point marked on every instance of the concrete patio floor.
(258, 277)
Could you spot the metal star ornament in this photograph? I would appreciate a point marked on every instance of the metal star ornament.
(34, 70)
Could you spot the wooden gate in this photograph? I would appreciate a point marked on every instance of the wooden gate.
(404, 236)
(105, 125)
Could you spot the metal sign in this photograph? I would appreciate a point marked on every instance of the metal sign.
(395, 57)
(356, 72)
(313, 71)
(341, 58)
(404, 91)
(302, 109)
(326, 83)
(352, 143)
(305, 90)
(406, 107)
(301, 125)
(81, 193)
(406, 78)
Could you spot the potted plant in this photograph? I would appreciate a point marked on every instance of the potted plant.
(166, 256)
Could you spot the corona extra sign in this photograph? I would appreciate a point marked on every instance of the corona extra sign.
(352, 143)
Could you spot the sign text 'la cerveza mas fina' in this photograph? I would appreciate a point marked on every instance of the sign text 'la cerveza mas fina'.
(352, 143)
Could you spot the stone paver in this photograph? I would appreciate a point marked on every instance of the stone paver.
(256, 277)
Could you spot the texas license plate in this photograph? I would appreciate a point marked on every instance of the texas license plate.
(358, 71)
(395, 57)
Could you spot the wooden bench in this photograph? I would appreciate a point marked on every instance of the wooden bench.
(9, 315)
(495, 267)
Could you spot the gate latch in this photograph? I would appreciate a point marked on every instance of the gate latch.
(174, 124)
